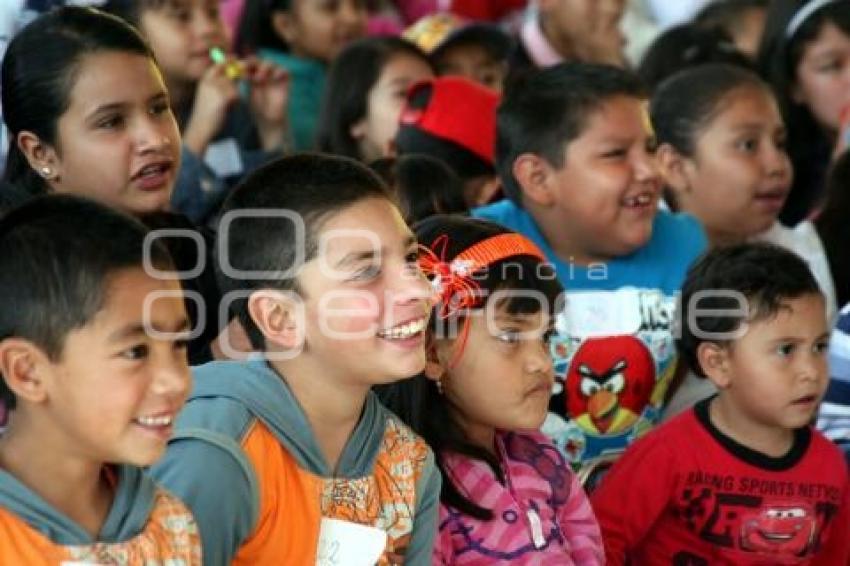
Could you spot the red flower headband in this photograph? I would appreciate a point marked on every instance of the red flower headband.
(454, 286)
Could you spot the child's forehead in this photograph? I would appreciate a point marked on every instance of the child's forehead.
(372, 223)
(792, 315)
(615, 117)
(176, 4)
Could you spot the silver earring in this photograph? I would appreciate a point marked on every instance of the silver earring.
(46, 172)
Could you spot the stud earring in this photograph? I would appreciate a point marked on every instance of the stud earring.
(46, 172)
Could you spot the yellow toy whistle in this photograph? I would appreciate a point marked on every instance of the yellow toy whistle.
(233, 70)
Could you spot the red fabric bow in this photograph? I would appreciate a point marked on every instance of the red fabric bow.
(455, 290)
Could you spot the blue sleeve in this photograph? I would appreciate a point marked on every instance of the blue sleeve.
(198, 191)
(213, 477)
(421, 548)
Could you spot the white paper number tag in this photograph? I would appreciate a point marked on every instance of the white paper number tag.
(342, 543)
(223, 158)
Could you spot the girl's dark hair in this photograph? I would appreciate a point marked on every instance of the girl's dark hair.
(685, 46)
(256, 30)
(40, 69)
(425, 186)
(808, 145)
(352, 75)
(688, 101)
(834, 229)
(727, 14)
(417, 400)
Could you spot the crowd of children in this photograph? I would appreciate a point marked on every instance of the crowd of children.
(275, 289)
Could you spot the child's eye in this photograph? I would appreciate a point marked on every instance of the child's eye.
(821, 347)
(180, 13)
(137, 352)
(509, 337)
(785, 350)
(830, 66)
(110, 122)
(614, 154)
(367, 273)
(159, 108)
(212, 10)
(749, 145)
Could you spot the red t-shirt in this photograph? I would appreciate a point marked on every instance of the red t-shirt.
(687, 495)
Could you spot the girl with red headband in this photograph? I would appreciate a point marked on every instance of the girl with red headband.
(508, 494)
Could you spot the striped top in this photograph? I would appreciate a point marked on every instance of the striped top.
(541, 515)
(834, 415)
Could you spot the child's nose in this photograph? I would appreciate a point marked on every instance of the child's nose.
(350, 13)
(646, 166)
(812, 367)
(410, 286)
(151, 136)
(539, 360)
(172, 378)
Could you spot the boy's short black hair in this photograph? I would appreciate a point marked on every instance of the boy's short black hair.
(495, 42)
(765, 274)
(57, 253)
(309, 186)
(543, 111)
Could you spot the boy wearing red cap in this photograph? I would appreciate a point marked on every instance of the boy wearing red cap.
(454, 120)
(573, 153)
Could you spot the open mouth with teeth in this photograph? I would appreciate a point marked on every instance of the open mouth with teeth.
(162, 421)
(405, 331)
(639, 201)
(152, 176)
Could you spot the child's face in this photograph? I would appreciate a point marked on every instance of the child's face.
(590, 28)
(118, 141)
(475, 63)
(823, 77)
(747, 34)
(608, 188)
(503, 379)
(181, 33)
(376, 131)
(366, 303)
(320, 29)
(116, 389)
(740, 174)
(777, 372)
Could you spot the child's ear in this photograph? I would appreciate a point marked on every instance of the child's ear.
(21, 366)
(282, 25)
(435, 366)
(488, 191)
(535, 176)
(673, 168)
(279, 316)
(40, 156)
(357, 130)
(714, 360)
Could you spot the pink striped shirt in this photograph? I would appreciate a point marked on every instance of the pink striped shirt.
(541, 515)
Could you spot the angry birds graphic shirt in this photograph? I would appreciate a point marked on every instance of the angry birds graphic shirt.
(613, 350)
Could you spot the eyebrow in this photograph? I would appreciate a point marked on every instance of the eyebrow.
(115, 106)
(360, 256)
(138, 329)
(797, 339)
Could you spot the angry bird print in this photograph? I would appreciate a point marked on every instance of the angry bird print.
(609, 383)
